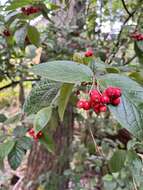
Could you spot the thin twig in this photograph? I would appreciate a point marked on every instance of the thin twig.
(125, 7)
(131, 59)
(117, 44)
(95, 144)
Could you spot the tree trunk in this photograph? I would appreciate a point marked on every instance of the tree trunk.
(40, 161)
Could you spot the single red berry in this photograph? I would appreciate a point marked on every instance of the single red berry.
(39, 134)
(95, 96)
(86, 105)
(103, 108)
(96, 110)
(31, 132)
(117, 92)
(80, 104)
(88, 53)
(105, 99)
(116, 101)
(109, 91)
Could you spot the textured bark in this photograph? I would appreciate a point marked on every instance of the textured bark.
(40, 161)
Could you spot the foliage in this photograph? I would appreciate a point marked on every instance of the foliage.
(110, 144)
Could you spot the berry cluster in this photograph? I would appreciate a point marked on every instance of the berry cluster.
(30, 10)
(31, 132)
(6, 33)
(137, 36)
(88, 53)
(98, 101)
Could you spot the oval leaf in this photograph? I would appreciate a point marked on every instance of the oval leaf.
(65, 93)
(128, 113)
(5, 148)
(117, 161)
(15, 156)
(42, 118)
(63, 71)
(33, 35)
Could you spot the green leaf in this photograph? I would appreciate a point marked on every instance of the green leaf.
(17, 4)
(137, 76)
(63, 71)
(20, 36)
(5, 148)
(129, 116)
(41, 96)
(25, 143)
(15, 156)
(112, 70)
(42, 118)
(48, 142)
(33, 35)
(117, 160)
(138, 47)
(128, 113)
(65, 93)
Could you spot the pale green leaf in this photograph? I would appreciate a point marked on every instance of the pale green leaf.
(63, 71)
(41, 96)
(42, 118)
(65, 93)
(5, 148)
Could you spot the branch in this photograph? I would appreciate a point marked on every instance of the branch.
(14, 83)
(131, 59)
(117, 45)
(125, 7)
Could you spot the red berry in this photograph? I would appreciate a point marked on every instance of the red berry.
(95, 96)
(105, 99)
(39, 134)
(88, 53)
(80, 104)
(117, 92)
(6, 33)
(31, 132)
(103, 108)
(86, 105)
(96, 110)
(116, 101)
(113, 92)
(109, 91)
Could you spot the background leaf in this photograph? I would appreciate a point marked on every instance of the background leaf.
(65, 93)
(117, 161)
(42, 118)
(41, 96)
(5, 148)
(20, 36)
(63, 71)
(48, 142)
(33, 35)
(15, 156)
